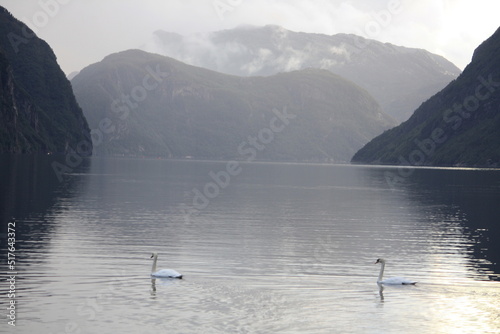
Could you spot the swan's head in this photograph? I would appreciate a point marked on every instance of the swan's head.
(380, 261)
(154, 255)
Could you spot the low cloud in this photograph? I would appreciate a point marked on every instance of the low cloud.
(243, 53)
(451, 28)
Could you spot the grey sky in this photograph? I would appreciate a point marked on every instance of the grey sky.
(82, 32)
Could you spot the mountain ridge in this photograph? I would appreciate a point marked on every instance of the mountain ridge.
(399, 78)
(458, 126)
(196, 112)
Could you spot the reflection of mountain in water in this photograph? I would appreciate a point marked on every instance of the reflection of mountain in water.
(29, 190)
(469, 202)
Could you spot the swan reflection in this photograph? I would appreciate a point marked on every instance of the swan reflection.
(381, 291)
(161, 281)
(153, 286)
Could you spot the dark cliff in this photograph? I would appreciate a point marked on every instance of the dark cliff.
(38, 111)
(459, 126)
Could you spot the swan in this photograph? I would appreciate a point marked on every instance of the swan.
(392, 280)
(166, 273)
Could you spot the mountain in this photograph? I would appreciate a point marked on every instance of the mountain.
(459, 126)
(139, 103)
(38, 111)
(399, 78)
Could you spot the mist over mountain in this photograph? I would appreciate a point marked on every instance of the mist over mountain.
(38, 111)
(459, 126)
(399, 78)
(138, 103)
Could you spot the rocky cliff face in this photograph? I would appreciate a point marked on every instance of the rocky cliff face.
(17, 113)
(38, 111)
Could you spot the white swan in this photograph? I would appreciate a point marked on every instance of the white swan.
(165, 273)
(392, 280)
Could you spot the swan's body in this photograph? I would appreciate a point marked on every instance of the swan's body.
(163, 273)
(392, 280)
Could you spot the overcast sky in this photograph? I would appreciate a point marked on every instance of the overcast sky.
(82, 32)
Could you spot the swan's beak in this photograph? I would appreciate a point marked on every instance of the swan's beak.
(152, 256)
(378, 261)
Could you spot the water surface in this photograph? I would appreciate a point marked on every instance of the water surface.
(277, 248)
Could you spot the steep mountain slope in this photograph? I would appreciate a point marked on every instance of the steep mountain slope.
(459, 126)
(399, 78)
(17, 133)
(145, 104)
(38, 110)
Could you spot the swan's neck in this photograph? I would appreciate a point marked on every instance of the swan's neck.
(155, 259)
(382, 267)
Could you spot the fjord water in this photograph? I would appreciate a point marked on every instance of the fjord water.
(274, 248)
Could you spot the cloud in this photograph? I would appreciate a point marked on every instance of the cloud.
(85, 31)
(264, 56)
(451, 28)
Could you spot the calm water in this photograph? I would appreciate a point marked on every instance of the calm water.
(277, 248)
